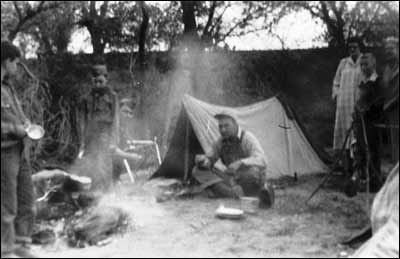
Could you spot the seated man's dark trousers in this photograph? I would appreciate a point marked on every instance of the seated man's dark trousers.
(372, 137)
(246, 181)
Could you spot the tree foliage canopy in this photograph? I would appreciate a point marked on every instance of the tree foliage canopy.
(123, 25)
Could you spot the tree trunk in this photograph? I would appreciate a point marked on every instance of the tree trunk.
(142, 67)
(98, 46)
(143, 33)
(191, 40)
(190, 36)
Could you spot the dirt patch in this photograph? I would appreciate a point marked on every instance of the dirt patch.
(189, 228)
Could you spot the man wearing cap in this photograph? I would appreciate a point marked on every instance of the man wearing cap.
(367, 112)
(242, 168)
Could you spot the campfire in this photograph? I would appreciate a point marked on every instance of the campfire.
(70, 210)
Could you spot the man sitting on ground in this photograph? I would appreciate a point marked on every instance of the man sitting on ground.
(242, 172)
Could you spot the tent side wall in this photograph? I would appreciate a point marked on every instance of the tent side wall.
(292, 115)
(285, 152)
(173, 165)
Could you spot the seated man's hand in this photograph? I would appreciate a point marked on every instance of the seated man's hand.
(233, 167)
(202, 161)
(334, 97)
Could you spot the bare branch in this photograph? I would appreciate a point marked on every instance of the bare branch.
(18, 10)
(92, 8)
(210, 18)
(244, 20)
(104, 9)
(337, 12)
(219, 19)
(30, 74)
(40, 6)
(309, 8)
(30, 14)
(372, 20)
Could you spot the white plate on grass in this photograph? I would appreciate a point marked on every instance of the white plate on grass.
(229, 213)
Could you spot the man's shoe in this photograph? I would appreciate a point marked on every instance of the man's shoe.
(266, 196)
(10, 255)
(24, 252)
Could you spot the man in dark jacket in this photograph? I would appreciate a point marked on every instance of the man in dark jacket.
(368, 112)
(391, 93)
(17, 197)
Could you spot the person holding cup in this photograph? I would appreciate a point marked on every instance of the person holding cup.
(17, 194)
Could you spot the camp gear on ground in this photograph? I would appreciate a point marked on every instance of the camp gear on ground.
(347, 79)
(229, 213)
(288, 149)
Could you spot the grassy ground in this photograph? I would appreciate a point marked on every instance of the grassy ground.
(189, 228)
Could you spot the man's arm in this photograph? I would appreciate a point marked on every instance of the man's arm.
(8, 129)
(336, 79)
(82, 116)
(213, 156)
(116, 123)
(256, 155)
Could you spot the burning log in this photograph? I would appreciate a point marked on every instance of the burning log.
(68, 199)
(61, 194)
(97, 225)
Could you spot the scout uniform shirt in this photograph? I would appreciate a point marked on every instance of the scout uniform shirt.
(11, 116)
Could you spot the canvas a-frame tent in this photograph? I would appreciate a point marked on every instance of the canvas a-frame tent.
(287, 148)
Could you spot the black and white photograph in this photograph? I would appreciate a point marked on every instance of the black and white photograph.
(200, 129)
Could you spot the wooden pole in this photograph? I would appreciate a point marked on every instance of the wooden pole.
(289, 146)
(186, 158)
(368, 152)
(128, 169)
(157, 151)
